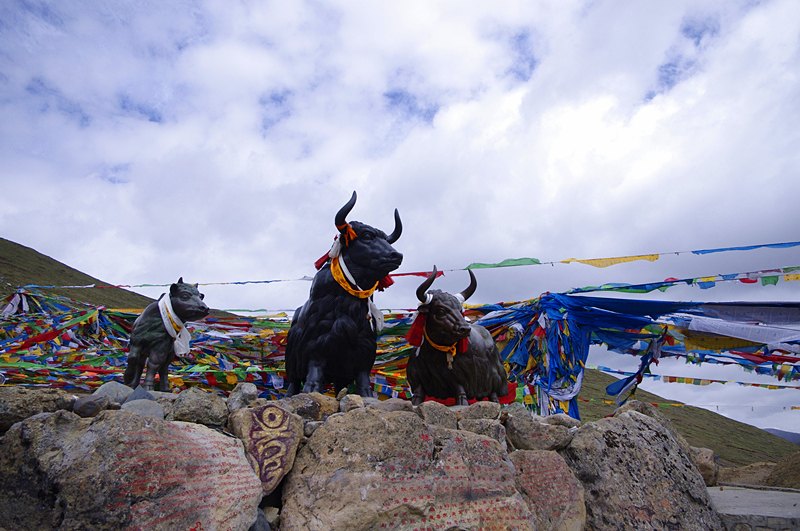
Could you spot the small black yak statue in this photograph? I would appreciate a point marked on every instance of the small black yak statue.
(159, 334)
(454, 359)
(333, 335)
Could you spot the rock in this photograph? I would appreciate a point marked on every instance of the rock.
(390, 404)
(437, 414)
(529, 432)
(144, 407)
(651, 411)
(488, 427)
(140, 393)
(199, 406)
(562, 419)
(120, 470)
(18, 403)
(372, 469)
(637, 476)
(310, 426)
(242, 396)
(271, 436)
(90, 405)
(480, 410)
(261, 523)
(350, 402)
(115, 391)
(273, 515)
(311, 406)
(554, 495)
(515, 408)
(704, 460)
(786, 472)
(753, 474)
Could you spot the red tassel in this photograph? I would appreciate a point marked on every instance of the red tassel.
(321, 261)
(417, 330)
(385, 282)
(463, 345)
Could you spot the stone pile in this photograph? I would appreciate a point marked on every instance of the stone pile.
(135, 459)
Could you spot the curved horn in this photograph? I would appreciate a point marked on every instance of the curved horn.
(473, 284)
(425, 285)
(398, 228)
(341, 216)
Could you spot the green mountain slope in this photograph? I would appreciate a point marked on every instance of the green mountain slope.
(20, 265)
(736, 443)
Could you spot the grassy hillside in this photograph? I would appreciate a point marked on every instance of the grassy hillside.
(20, 265)
(734, 442)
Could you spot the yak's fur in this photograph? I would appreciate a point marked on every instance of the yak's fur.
(476, 373)
(151, 344)
(331, 339)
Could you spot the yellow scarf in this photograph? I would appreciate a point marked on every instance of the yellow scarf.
(338, 276)
(450, 351)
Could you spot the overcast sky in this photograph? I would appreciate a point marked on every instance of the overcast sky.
(143, 141)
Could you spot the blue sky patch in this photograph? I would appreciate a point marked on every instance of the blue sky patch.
(524, 61)
(696, 30)
(275, 107)
(409, 106)
(139, 109)
(51, 98)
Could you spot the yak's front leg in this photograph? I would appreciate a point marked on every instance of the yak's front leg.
(363, 386)
(417, 395)
(163, 375)
(133, 372)
(315, 377)
(461, 400)
(150, 376)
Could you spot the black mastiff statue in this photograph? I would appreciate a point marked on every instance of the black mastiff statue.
(159, 334)
(333, 335)
(454, 358)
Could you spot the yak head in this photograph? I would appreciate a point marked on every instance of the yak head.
(187, 301)
(367, 251)
(444, 320)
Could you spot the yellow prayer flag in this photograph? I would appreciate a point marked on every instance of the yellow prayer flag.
(605, 262)
(792, 276)
(231, 378)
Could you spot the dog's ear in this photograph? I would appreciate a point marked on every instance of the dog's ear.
(173, 290)
(180, 280)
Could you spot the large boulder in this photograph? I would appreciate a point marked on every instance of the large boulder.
(372, 469)
(122, 470)
(199, 406)
(115, 391)
(552, 492)
(706, 463)
(244, 394)
(311, 406)
(637, 476)
(531, 432)
(18, 403)
(271, 436)
(786, 472)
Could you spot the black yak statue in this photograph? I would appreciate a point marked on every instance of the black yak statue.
(159, 334)
(454, 358)
(333, 336)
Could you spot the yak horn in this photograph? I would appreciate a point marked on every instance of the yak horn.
(341, 217)
(473, 284)
(425, 285)
(398, 228)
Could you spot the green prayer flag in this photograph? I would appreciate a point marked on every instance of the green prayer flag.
(769, 281)
(508, 262)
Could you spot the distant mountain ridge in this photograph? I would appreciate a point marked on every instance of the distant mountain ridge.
(734, 442)
(790, 436)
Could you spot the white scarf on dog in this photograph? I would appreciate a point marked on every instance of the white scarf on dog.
(175, 327)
